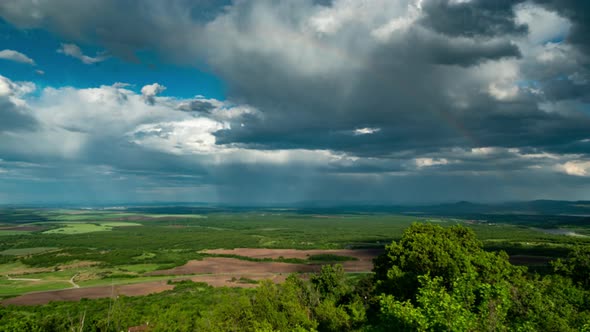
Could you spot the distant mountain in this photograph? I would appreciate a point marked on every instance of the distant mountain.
(538, 207)
(461, 208)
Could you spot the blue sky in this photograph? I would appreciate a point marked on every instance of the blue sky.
(277, 102)
(61, 70)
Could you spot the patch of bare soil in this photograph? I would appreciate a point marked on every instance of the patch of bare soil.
(222, 265)
(233, 280)
(78, 264)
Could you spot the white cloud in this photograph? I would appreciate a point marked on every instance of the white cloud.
(576, 168)
(554, 52)
(15, 91)
(428, 162)
(382, 17)
(149, 92)
(413, 13)
(484, 150)
(502, 77)
(16, 56)
(503, 92)
(541, 155)
(195, 137)
(102, 111)
(543, 25)
(191, 136)
(72, 120)
(366, 131)
(74, 51)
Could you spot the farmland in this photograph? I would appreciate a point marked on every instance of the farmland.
(69, 255)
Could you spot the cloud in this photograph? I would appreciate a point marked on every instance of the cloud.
(429, 162)
(366, 131)
(183, 137)
(75, 52)
(14, 110)
(472, 18)
(149, 92)
(434, 96)
(576, 168)
(200, 106)
(16, 57)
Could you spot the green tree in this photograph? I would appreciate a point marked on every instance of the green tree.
(331, 282)
(447, 253)
(576, 266)
(440, 279)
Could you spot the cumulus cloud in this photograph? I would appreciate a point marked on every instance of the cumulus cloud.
(183, 137)
(149, 92)
(16, 57)
(74, 51)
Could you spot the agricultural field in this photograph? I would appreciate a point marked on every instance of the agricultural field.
(60, 249)
(70, 255)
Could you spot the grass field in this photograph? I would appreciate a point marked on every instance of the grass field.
(16, 287)
(85, 227)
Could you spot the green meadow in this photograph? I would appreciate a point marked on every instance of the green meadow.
(88, 227)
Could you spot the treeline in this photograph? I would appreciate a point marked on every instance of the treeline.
(433, 279)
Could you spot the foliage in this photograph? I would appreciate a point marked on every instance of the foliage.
(330, 258)
(576, 266)
(438, 279)
(448, 253)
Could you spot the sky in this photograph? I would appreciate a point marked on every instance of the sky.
(260, 102)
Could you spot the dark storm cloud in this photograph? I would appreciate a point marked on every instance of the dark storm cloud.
(576, 147)
(462, 53)
(198, 106)
(406, 87)
(405, 92)
(565, 89)
(474, 18)
(13, 118)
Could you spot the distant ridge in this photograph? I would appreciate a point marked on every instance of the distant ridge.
(536, 207)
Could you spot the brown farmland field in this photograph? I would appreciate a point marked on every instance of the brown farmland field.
(215, 271)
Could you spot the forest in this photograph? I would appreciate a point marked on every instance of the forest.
(432, 278)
